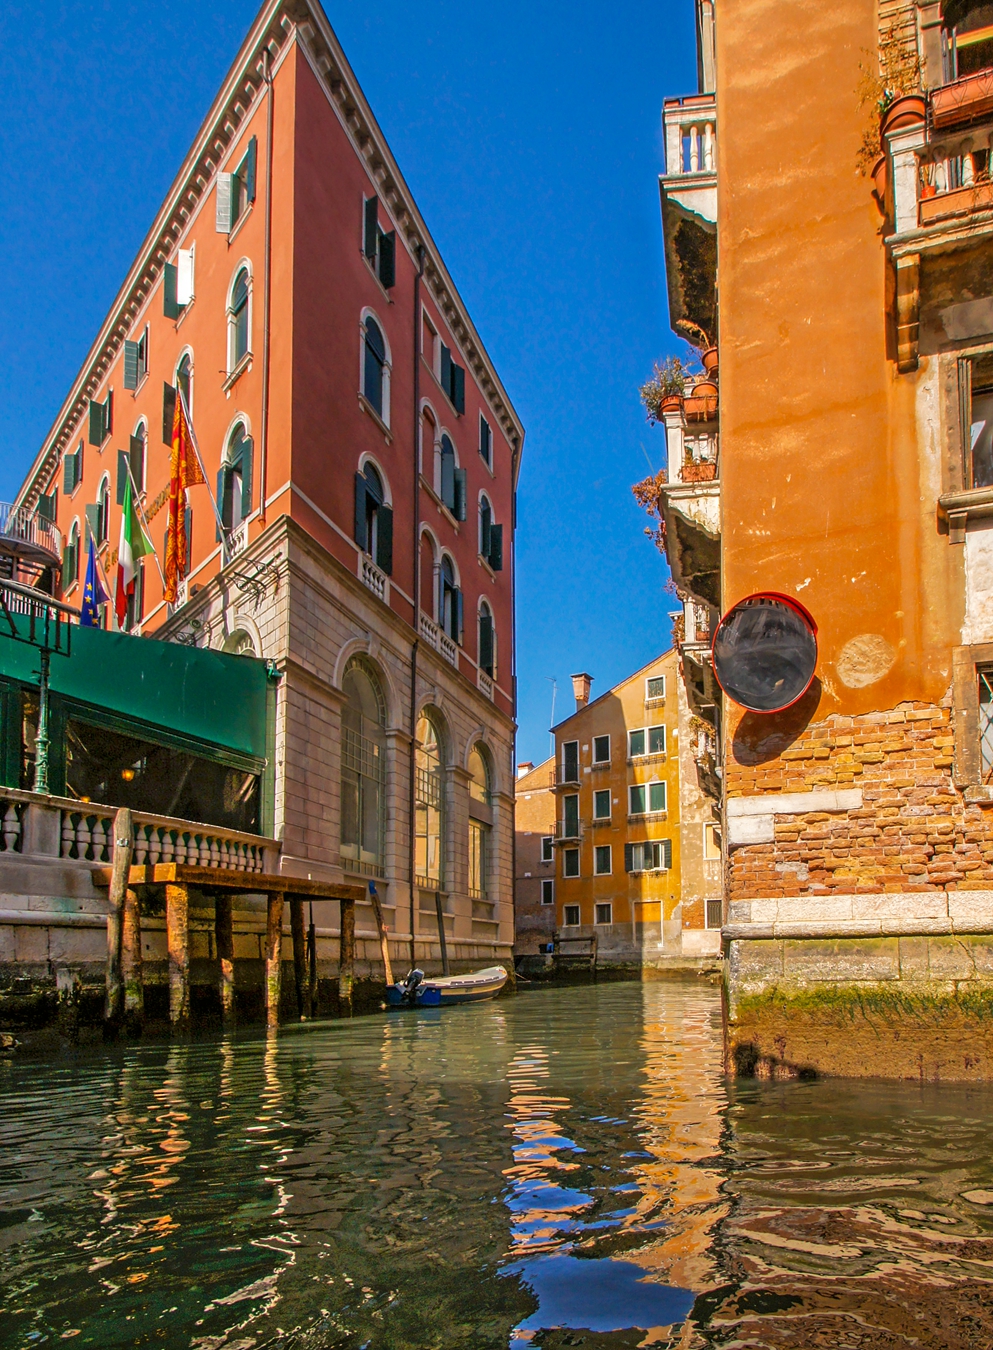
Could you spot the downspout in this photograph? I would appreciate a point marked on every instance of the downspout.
(267, 292)
(416, 515)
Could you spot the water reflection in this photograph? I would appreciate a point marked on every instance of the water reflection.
(563, 1168)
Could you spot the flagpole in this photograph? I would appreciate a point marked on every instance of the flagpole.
(98, 563)
(141, 511)
(196, 450)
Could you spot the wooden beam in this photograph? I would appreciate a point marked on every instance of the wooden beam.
(346, 957)
(384, 943)
(273, 957)
(225, 878)
(224, 933)
(132, 970)
(178, 943)
(299, 955)
(118, 882)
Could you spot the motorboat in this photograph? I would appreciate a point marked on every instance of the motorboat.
(416, 990)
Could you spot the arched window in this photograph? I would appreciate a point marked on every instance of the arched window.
(486, 651)
(101, 529)
(373, 518)
(449, 601)
(70, 558)
(375, 370)
(428, 590)
(239, 326)
(480, 827)
(363, 753)
(234, 482)
(428, 806)
(485, 525)
(135, 465)
(184, 379)
(452, 489)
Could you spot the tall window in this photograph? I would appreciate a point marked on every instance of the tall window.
(479, 830)
(487, 640)
(374, 368)
(428, 806)
(449, 601)
(234, 487)
(184, 380)
(373, 518)
(363, 746)
(238, 320)
(976, 391)
(70, 559)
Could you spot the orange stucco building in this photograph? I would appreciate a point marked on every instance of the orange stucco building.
(832, 222)
(364, 457)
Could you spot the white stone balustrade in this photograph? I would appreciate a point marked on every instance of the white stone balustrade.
(690, 130)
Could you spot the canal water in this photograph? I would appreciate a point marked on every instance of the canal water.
(564, 1167)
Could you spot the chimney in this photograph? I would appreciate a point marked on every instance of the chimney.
(524, 768)
(581, 688)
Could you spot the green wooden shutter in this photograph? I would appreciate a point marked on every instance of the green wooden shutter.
(447, 473)
(485, 439)
(486, 643)
(136, 456)
(458, 505)
(370, 241)
(96, 423)
(250, 166)
(46, 506)
(666, 852)
(485, 529)
(384, 540)
(122, 474)
(388, 259)
(131, 363)
(168, 411)
(247, 455)
(171, 307)
(225, 195)
(93, 524)
(446, 370)
(629, 857)
(656, 796)
(223, 502)
(496, 548)
(457, 616)
(69, 478)
(458, 388)
(361, 537)
(108, 414)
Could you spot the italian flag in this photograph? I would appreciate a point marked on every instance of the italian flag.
(134, 545)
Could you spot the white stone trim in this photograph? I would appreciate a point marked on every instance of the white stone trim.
(795, 803)
(886, 914)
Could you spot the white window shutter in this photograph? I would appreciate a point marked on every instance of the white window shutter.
(223, 220)
(184, 276)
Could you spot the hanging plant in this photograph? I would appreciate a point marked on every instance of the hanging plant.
(668, 382)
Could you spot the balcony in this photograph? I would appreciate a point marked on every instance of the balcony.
(376, 580)
(440, 641)
(567, 831)
(691, 500)
(29, 537)
(566, 776)
(688, 192)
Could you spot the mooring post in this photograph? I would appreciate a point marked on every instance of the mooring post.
(178, 943)
(441, 932)
(273, 957)
(132, 971)
(299, 954)
(384, 945)
(67, 1004)
(346, 957)
(123, 852)
(312, 965)
(224, 934)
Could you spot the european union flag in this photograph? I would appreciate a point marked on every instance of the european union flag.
(93, 593)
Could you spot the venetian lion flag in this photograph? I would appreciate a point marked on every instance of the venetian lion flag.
(184, 472)
(134, 544)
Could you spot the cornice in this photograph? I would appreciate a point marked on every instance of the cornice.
(277, 24)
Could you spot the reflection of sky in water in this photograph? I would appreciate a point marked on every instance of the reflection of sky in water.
(602, 1295)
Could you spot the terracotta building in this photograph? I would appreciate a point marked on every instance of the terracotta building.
(850, 515)
(364, 457)
(534, 859)
(636, 863)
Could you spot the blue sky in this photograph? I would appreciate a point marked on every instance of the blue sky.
(531, 138)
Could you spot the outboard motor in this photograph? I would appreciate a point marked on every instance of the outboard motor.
(410, 984)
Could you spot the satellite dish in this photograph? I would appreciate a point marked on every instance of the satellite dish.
(765, 652)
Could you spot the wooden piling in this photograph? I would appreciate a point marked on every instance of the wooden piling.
(273, 957)
(178, 943)
(346, 957)
(123, 853)
(299, 955)
(67, 1004)
(384, 944)
(312, 989)
(132, 971)
(224, 934)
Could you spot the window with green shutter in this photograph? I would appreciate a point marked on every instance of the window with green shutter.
(570, 864)
(72, 470)
(485, 440)
(656, 740)
(601, 749)
(101, 419)
(636, 743)
(601, 804)
(485, 655)
(379, 245)
(601, 860)
(636, 799)
(656, 796)
(570, 816)
(135, 361)
(655, 687)
(452, 379)
(235, 192)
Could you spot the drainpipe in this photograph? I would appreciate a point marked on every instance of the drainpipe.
(416, 592)
(267, 293)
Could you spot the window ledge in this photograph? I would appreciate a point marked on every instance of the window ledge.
(236, 374)
(139, 386)
(646, 817)
(240, 222)
(440, 504)
(444, 391)
(375, 276)
(600, 764)
(653, 757)
(367, 406)
(484, 564)
(959, 508)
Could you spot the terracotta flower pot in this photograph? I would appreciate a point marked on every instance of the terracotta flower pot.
(671, 402)
(904, 112)
(709, 359)
(929, 190)
(705, 389)
(878, 175)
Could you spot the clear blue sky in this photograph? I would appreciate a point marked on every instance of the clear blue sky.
(531, 138)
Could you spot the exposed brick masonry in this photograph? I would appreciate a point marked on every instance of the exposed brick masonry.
(914, 832)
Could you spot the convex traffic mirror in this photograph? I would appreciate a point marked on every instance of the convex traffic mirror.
(765, 652)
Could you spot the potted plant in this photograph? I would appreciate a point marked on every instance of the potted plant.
(901, 110)
(665, 389)
(709, 360)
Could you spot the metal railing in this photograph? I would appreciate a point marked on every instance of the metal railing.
(27, 527)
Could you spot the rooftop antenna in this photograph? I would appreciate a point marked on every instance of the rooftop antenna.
(551, 734)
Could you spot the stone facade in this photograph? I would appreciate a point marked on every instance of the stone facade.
(534, 860)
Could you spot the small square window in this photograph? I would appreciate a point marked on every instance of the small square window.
(711, 842)
(601, 749)
(636, 743)
(548, 891)
(601, 804)
(636, 799)
(655, 687)
(546, 848)
(656, 796)
(601, 860)
(570, 862)
(570, 916)
(656, 740)
(603, 913)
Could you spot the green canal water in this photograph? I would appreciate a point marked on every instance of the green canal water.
(564, 1167)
